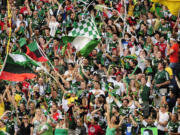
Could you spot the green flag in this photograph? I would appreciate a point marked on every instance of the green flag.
(84, 36)
(149, 131)
(22, 42)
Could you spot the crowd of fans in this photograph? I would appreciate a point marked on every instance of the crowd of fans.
(131, 80)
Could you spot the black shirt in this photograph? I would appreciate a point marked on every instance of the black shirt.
(138, 70)
(171, 102)
(80, 130)
(25, 130)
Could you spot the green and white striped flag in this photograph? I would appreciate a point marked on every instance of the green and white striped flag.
(84, 36)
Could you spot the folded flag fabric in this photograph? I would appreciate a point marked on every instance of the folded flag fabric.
(84, 36)
(173, 5)
(22, 42)
(34, 52)
(18, 68)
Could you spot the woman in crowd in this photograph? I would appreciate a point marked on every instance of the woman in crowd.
(37, 120)
(25, 127)
(61, 128)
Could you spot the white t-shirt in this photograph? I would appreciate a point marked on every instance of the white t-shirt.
(141, 64)
(69, 78)
(162, 118)
(154, 40)
(41, 89)
(149, 21)
(101, 92)
(53, 27)
(121, 87)
(19, 21)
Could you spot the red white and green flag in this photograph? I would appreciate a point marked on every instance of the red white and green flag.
(18, 68)
(35, 53)
(32, 50)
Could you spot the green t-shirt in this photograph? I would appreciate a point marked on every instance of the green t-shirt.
(61, 132)
(47, 129)
(137, 10)
(164, 28)
(32, 6)
(161, 77)
(61, 69)
(110, 131)
(137, 119)
(21, 31)
(148, 71)
(144, 93)
(147, 47)
(35, 22)
(175, 109)
(2, 16)
(173, 126)
(10, 127)
(155, 63)
(124, 110)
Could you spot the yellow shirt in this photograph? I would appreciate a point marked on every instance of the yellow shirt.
(17, 98)
(3, 129)
(1, 108)
(130, 10)
(170, 72)
(72, 99)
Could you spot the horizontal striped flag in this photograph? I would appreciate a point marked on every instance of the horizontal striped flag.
(18, 68)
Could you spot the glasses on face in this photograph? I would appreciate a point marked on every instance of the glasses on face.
(25, 118)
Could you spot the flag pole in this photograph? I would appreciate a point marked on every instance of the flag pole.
(4, 64)
(88, 6)
(42, 53)
(44, 68)
(83, 2)
(124, 17)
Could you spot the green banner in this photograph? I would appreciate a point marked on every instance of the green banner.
(149, 131)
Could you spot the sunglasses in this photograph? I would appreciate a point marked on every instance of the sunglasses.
(25, 118)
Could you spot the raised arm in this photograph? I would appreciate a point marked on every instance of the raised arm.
(133, 121)
(95, 111)
(121, 121)
(30, 28)
(84, 72)
(108, 114)
(177, 81)
(28, 8)
(44, 47)
(120, 46)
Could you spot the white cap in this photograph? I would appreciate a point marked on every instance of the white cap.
(172, 39)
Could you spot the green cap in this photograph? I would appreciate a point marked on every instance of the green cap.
(22, 42)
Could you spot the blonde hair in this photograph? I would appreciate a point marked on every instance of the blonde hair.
(36, 88)
(36, 115)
